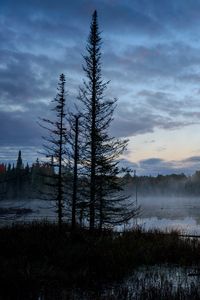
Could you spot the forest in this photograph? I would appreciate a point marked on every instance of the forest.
(21, 181)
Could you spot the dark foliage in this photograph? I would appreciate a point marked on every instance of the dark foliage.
(38, 256)
(164, 185)
(55, 146)
(101, 151)
(24, 182)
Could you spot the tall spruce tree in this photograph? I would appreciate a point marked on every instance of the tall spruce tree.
(100, 151)
(55, 145)
(19, 176)
(19, 164)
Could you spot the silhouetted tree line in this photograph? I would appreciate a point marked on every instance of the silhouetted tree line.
(164, 185)
(18, 181)
(24, 182)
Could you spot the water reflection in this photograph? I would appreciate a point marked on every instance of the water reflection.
(186, 225)
(180, 213)
(157, 282)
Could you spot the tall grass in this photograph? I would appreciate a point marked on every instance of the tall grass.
(37, 256)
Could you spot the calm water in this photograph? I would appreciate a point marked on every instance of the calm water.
(165, 213)
(156, 212)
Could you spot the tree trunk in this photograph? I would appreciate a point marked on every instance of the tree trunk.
(74, 195)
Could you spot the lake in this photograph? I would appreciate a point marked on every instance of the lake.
(164, 213)
(155, 282)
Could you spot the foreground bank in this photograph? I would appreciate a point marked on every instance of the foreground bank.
(37, 258)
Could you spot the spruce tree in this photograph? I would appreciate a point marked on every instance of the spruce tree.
(19, 176)
(100, 150)
(19, 164)
(55, 145)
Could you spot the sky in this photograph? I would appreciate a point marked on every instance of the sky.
(150, 54)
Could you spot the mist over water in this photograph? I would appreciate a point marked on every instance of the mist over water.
(166, 213)
(182, 213)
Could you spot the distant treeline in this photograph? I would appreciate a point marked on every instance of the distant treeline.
(164, 185)
(26, 182)
(20, 182)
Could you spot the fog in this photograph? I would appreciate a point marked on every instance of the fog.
(182, 213)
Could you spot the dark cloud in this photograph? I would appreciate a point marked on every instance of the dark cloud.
(131, 17)
(161, 61)
(150, 54)
(151, 161)
(155, 166)
(177, 15)
(130, 121)
(9, 154)
(19, 129)
(125, 163)
(192, 159)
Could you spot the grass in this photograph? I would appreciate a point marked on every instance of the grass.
(36, 256)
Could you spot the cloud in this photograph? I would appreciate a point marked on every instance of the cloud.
(154, 166)
(148, 53)
(192, 159)
(124, 163)
(19, 129)
(130, 120)
(9, 154)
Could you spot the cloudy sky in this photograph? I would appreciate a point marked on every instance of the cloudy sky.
(151, 55)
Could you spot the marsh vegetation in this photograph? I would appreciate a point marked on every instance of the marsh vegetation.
(37, 258)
